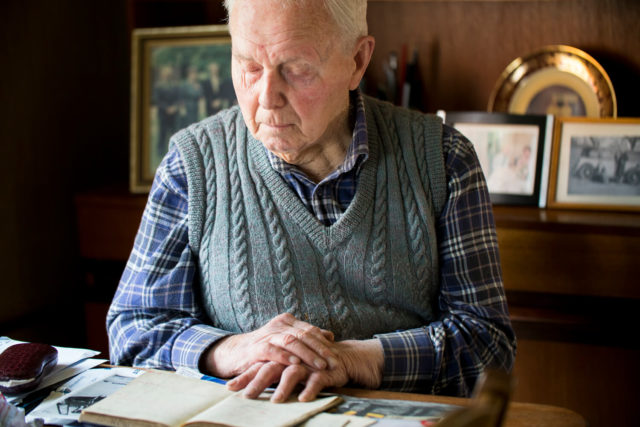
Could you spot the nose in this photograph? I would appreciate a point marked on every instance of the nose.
(271, 90)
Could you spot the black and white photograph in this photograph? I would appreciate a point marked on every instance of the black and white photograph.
(180, 76)
(597, 163)
(64, 405)
(605, 165)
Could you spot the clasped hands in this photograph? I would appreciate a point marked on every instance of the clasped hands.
(289, 352)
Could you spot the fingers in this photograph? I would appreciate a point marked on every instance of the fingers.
(261, 375)
(268, 374)
(242, 380)
(284, 339)
(290, 378)
(307, 348)
(315, 383)
(328, 335)
(257, 378)
(299, 324)
(315, 339)
(308, 343)
(274, 351)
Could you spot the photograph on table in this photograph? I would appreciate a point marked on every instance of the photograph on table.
(180, 75)
(596, 164)
(513, 151)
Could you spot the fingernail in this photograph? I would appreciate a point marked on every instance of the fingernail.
(294, 360)
(333, 362)
(304, 397)
(320, 364)
(276, 398)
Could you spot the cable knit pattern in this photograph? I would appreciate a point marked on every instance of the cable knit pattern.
(262, 251)
(240, 268)
(335, 292)
(416, 236)
(379, 242)
(421, 156)
(210, 179)
(283, 256)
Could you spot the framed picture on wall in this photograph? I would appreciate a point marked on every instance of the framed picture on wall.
(596, 164)
(180, 75)
(513, 151)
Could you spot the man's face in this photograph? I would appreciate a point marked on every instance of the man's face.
(291, 76)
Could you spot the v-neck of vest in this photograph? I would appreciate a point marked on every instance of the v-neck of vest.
(324, 237)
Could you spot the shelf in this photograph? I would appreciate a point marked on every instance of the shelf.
(549, 251)
(109, 218)
(567, 220)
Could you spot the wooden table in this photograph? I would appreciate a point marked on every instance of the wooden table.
(518, 414)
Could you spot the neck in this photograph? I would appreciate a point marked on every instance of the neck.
(321, 159)
(321, 164)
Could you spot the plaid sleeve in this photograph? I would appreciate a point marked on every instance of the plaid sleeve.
(473, 330)
(154, 319)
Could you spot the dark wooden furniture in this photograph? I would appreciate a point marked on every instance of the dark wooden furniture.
(572, 283)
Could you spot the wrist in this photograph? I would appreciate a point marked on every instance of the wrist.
(212, 361)
(363, 361)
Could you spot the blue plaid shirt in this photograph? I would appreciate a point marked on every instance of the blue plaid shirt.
(472, 331)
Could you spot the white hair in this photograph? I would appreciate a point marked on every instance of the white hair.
(350, 16)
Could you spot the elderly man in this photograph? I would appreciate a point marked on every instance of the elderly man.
(314, 235)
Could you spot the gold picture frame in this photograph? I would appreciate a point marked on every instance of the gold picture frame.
(179, 75)
(595, 164)
(557, 79)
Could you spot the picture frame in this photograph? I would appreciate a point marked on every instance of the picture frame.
(557, 79)
(179, 76)
(596, 164)
(513, 151)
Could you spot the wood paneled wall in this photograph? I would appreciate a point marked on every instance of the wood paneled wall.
(599, 382)
(64, 73)
(464, 46)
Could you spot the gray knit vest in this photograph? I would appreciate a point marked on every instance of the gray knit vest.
(261, 252)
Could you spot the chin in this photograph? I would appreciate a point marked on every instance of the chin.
(276, 143)
(286, 150)
(279, 148)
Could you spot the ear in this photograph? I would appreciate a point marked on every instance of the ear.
(361, 57)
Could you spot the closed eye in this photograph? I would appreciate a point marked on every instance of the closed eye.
(299, 73)
(252, 68)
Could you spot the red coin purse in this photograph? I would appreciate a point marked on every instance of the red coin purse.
(22, 366)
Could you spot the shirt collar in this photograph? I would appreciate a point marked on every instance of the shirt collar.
(358, 150)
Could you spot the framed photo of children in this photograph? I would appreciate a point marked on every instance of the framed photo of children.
(179, 76)
(596, 164)
(513, 151)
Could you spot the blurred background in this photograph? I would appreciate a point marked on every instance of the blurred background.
(68, 219)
